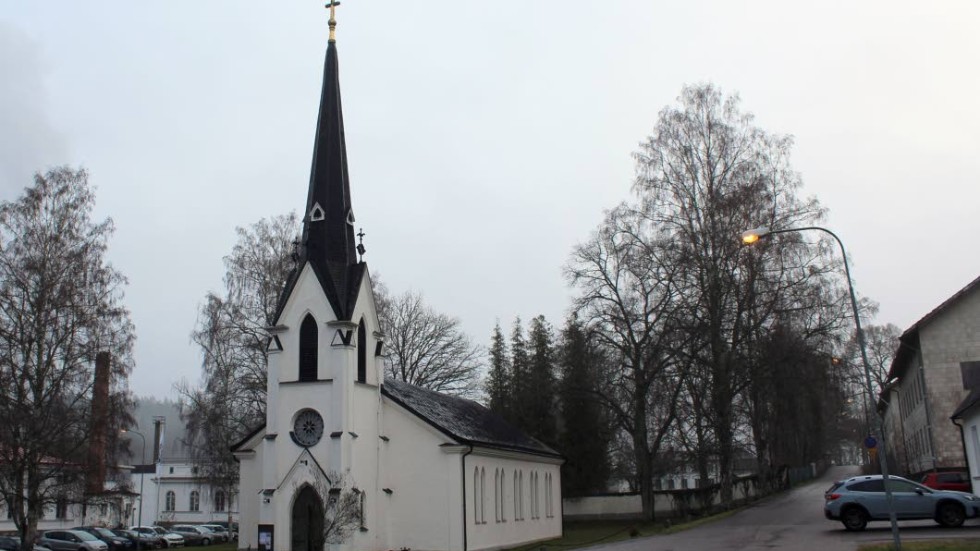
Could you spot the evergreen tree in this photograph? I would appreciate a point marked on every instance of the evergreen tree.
(498, 381)
(518, 380)
(539, 394)
(585, 434)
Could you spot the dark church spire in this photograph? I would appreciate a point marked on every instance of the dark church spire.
(328, 225)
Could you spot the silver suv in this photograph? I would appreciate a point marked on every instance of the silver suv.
(860, 499)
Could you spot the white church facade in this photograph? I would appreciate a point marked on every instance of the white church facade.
(423, 470)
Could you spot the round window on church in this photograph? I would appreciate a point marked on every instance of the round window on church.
(308, 428)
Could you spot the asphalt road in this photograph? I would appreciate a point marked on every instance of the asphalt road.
(792, 521)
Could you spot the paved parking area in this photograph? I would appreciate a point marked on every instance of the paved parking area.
(791, 522)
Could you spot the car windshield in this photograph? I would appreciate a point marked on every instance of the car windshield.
(105, 532)
(159, 530)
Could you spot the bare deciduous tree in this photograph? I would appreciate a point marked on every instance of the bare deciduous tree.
(60, 305)
(232, 337)
(426, 348)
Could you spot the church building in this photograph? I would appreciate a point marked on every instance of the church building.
(421, 470)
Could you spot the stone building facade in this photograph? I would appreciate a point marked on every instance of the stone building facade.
(937, 361)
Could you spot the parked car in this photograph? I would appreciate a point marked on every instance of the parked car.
(72, 540)
(115, 543)
(956, 480)
(193, 535)
(169, 539)
(12, 543)
(860, 499)
(220, 532)
(232, 528)
(141, 541)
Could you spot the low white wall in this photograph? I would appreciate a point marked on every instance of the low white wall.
(667, 503)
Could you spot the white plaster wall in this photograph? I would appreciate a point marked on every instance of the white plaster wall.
(491, 532)
(425, 482)
(623, 505)
(249, 498)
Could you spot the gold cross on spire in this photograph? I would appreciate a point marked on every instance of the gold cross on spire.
(333, 21)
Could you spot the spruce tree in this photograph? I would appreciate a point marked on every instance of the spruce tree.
(584, 438)
(498, 380)
(519, 370)
(540, 388)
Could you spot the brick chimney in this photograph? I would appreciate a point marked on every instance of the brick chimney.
(158, 426)
(95, 474)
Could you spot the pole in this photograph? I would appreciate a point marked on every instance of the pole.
(867, 379)
(139, 521)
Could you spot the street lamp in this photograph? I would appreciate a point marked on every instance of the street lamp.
(752, 236)
(139, 521)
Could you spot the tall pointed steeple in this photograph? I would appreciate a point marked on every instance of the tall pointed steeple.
(328, 223)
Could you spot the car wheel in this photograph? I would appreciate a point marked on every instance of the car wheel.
(950, 515)
(205, 541)
(854, 519)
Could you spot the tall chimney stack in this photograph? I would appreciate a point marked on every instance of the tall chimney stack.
(158, 426)
(95, 475)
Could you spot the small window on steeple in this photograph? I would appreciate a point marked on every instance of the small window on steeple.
(308, 349)
(316, 213)
(361, 352)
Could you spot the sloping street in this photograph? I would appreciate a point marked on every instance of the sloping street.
(793, 522)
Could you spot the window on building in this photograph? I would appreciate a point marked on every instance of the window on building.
(520, 485)
(483, 499)
(308, 335)
(361, 352)
(219, 501)
(535, 513)
(61, 508)
(170, 503)
(476, 495)
(517, 494)
(503, 475)
(362, 512)
(171, 470)
(496, 495)
(195, 501)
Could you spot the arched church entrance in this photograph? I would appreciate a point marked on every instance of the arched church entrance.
(307, 524)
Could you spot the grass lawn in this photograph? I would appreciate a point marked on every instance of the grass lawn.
(227, 546)
(584, 534)
(931, 545)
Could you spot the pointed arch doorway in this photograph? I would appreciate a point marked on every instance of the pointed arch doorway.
(307, 521)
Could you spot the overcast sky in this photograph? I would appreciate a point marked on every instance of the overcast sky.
(484, 139)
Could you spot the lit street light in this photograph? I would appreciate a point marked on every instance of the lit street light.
(139, 522)
(752, 236)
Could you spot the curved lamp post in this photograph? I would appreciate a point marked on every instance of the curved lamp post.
(139, 521)
(750, 237)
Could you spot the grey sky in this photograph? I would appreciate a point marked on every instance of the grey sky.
(484, 138)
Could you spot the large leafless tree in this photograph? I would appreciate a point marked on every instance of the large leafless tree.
(231, 333)
(61, 303)
(426, 348)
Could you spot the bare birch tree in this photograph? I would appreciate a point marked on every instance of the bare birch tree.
(60, 305)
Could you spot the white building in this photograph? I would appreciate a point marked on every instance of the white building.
(967, 417)
(430, 472)
(173, 491)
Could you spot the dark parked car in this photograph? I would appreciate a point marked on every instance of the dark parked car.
(858, 500)
(140, 541)
(115, 543)
(72, 540)
(958, 481)
(12, 543)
